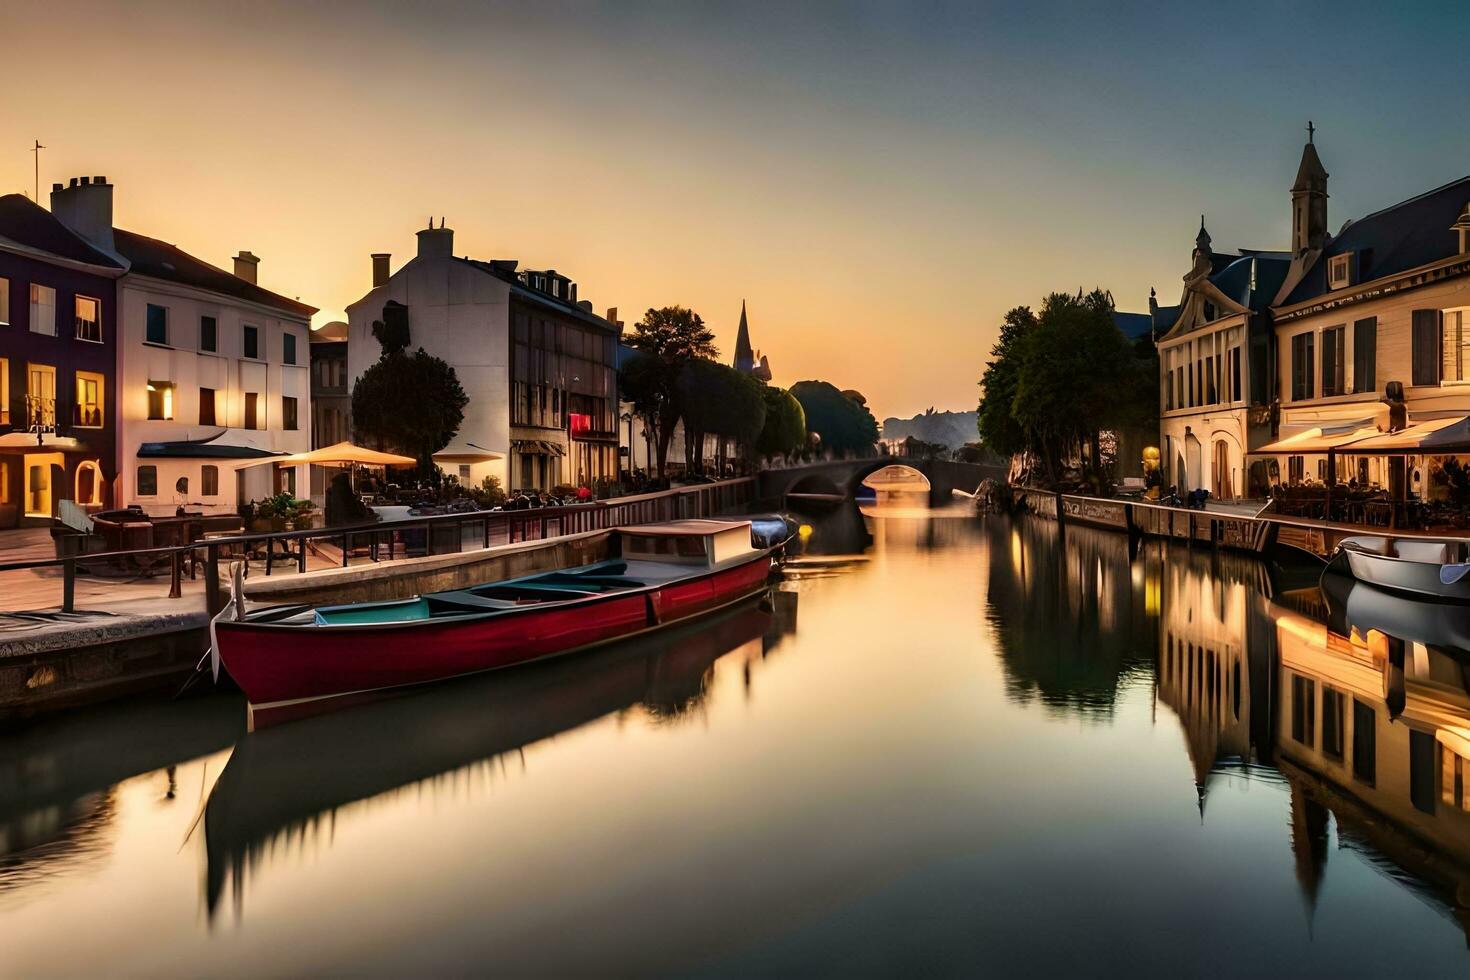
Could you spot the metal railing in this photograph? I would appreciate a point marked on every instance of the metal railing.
(371, 541)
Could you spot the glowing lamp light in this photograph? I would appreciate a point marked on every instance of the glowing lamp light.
(805, 531)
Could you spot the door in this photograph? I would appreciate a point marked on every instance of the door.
(38, 485)
(1194, 462)
(1221, 484)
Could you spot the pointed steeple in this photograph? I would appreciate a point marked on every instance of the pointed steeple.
(1202, 240)
(1309, 199)
(744, 353)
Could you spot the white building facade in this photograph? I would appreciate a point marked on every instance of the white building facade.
(212, 372)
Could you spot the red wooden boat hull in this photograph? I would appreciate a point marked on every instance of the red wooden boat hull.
(274, 664)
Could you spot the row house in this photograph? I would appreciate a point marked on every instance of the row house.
(1373, 335)
(538, 365)
(58, 346)
(1214, 368)
(211, 369)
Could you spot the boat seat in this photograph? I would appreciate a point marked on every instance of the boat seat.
(462, 600)
(1429, 552)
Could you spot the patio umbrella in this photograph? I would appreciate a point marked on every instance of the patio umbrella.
(345, 454)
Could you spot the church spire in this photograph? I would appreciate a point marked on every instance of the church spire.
(1309, 199)
(744, 353)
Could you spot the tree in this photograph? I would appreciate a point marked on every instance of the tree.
(411, 403)
(845, 425)
(784, 431)
(716, 399)
(998, 427)
(666, 340)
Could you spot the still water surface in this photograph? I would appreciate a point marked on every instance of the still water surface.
(945, 745)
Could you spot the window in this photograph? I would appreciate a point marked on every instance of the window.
(252, 410)
(1457, 340)
(4, 482)
(288, 414)
(288, 348)
(1365, 354)
(207, 405)
(43, 309)
(208, 333)
(1332, 723)
(1427, 348)
(1365, 743)
(464, 474)
(1302, 356)
(88, 319)
(89, 483)
(4, 302)
(40, 398)
(1295, 470)
(89, 400)
(1237, 393)
(252, 341)
(1339, 271)
(1422, 747)
(160, 400)
(157, 329)
(147, 481)
(1332, 360)
(209, 480)
(4, 391)
(1303, 709)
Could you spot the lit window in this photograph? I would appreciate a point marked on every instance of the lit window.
(89, 483)
(88, 319)
(160, 400)
(40, 398)
(4, 302)
(43, 309)
(4, 391)
(157, 330)
(89, 400)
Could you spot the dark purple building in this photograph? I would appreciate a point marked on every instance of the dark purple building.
(58, 357)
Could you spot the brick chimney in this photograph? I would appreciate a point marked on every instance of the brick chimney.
(436, 243)
(380, 268)
(85, 206)
(245, 264)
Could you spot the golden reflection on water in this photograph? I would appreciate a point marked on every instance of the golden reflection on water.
(967, 710)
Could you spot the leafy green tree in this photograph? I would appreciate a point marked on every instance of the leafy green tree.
(998, 427)
(718, 400)
(666, 339)
(410, 403)
(845, 424)
(784, 431)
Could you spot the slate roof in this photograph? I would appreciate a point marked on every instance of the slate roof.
(1235, 279)
(151, 257)
(202, 449)
(1407, 235)
(1134, 325)
(27, 223)
(504, 270)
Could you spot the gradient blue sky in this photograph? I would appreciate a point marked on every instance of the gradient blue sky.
(880, 181)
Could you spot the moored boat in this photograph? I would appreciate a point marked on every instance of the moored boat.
(1435, 567)
(283, 657)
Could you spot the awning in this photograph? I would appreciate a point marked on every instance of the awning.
(346, 454)
(466, 452)
(1433, 436)
(536, 447)
(211, 448)
(1318, 440)
(25, 442)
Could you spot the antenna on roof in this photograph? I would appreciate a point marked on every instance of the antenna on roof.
(37, 151)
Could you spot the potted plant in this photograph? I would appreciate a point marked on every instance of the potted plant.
(260, 515)
(301, 515)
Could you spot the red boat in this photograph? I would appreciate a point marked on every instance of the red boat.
(285, 657)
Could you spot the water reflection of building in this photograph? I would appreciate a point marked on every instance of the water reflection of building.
(283, 784)
(1209, 627)
(1073, 616)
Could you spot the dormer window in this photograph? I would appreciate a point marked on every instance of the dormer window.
(1462, 226)
(1339, 271)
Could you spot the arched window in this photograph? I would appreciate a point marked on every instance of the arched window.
(89, 483)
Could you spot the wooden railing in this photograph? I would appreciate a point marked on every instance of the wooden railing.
(385, 541)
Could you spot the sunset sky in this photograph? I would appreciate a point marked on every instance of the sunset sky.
(879, 182)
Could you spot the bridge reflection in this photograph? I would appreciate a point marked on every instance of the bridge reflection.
(1369, 732)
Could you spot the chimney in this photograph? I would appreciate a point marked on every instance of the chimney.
(85, 206)
(245, 264)
(380, 268)
(436, 243)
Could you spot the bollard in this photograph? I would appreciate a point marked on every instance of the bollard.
(175, 574)
(69, 585)
(301, 558)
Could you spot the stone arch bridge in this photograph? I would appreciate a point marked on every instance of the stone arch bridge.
(840, 479)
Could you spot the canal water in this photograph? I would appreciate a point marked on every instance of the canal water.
(943, 745)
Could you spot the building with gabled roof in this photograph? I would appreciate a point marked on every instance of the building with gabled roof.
(539, 367)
